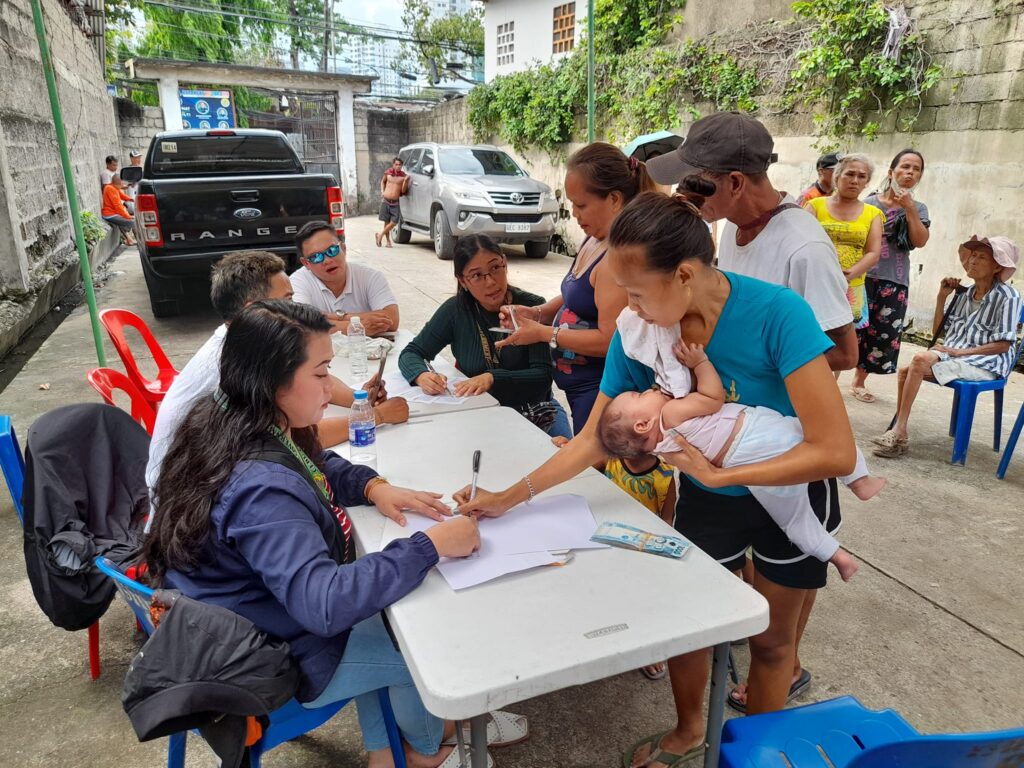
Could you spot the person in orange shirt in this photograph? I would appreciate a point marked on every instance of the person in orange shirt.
(823, 187)
(113, 210)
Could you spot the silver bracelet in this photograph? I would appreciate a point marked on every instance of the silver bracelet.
(529, 487)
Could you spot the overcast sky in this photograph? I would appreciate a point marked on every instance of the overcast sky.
(384, 13)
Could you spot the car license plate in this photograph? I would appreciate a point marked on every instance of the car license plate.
(517, 227)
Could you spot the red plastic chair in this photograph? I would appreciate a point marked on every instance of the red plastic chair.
(115, 321)
(107, 380)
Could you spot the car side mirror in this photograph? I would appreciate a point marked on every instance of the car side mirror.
(427, 170)
(131, 174)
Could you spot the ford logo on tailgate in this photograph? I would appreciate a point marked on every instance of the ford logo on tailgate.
(248, 213)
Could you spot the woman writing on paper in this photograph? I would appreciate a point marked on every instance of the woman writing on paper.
(770, 351)
(250, 516)
(518, 376)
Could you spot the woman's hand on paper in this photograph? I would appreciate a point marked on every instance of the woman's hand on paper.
(484, 504)
(392, 501)
(457, 537)
(477, 385)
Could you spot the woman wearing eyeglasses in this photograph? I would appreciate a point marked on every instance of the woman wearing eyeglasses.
(517, 376)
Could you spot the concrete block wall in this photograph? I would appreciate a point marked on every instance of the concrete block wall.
(380, 133)
(34, 213)
(136, 126)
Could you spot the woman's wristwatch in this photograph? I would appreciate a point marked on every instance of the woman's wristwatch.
(554, 335)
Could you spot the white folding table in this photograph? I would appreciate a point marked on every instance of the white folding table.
(340, 367)
(606, 612)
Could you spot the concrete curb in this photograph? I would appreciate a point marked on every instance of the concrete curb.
(56, 289)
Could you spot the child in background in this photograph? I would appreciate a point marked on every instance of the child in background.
(729, 434)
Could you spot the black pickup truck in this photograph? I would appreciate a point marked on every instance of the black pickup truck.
(202, 194)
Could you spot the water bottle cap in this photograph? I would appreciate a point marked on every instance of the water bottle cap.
(360, 395)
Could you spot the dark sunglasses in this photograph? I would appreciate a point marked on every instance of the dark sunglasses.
(327, 253)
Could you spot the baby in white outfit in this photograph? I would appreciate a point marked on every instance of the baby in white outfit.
(729, 435)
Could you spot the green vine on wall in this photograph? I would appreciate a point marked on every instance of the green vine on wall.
(847, 73)
(643, 85)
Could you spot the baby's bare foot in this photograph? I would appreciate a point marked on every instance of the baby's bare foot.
(867, 487)
(845, 564)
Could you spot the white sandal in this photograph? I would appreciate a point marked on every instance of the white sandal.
(503, 729)
(453, 760)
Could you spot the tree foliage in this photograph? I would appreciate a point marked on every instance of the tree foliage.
(439, 40)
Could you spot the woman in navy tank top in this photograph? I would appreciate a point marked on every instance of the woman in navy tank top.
(578, 323)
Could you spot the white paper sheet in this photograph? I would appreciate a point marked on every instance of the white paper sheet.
(530, 535)
(397, 386)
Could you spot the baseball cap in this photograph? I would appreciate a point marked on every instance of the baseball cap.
(829, 160)
(1004, 251)
(135, 153)
(719, 143)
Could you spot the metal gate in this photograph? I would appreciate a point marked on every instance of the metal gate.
(310, 122)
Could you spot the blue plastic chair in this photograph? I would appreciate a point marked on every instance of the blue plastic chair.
(12, 462)
(287, 723)
(1011, 444)
(965, 397)
(843, 733)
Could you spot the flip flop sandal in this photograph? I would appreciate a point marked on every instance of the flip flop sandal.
(646, 671)
(454, 761)
(503, 730)
(862, 394)
(659, 755)
(801, 684)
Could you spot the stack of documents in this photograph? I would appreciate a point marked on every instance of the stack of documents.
(542, 532)
(397, 386)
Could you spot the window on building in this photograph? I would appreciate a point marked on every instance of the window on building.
(506, 47)
(563, 28)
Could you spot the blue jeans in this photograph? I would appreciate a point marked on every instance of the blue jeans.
(560, 427)
(371, 662)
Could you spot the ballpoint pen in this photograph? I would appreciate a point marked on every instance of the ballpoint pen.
(476, 474)
(431, 368)
(512, 317)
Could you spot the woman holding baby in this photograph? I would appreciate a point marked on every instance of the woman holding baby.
(768, 349)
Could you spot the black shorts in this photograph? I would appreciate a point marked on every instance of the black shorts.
(725, 526)
(388, 212)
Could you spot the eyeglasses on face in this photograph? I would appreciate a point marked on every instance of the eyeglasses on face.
(477, 278)
(328, 253)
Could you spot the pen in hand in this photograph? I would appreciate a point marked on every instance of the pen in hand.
(433, 370)
(476, 474)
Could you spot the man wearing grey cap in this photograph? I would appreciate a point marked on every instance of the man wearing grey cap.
(725, 160)
(826, 166)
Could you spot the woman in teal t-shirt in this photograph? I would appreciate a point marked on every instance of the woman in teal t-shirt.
(769, 349)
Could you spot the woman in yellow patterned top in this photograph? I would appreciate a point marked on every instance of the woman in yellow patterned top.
(652, 482)
(853, 226)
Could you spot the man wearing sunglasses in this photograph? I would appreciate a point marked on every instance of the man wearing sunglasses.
(338, 289)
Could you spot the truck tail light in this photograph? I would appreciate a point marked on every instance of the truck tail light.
(148, 219)
(336, 210)
(220, 133)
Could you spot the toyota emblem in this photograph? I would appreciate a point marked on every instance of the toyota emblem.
(516, 198)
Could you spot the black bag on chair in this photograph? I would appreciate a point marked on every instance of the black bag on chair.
(85, 495)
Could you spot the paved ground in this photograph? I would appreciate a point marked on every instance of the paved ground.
(932, 625)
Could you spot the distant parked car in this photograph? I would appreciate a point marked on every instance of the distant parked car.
(461, 190)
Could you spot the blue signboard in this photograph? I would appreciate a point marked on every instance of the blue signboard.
(206, 109)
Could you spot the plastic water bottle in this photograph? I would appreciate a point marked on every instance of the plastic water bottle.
(357, 347)
(362, 431)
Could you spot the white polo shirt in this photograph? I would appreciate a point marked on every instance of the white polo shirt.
(366, 290)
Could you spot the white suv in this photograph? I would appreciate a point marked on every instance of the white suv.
(458, 190)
